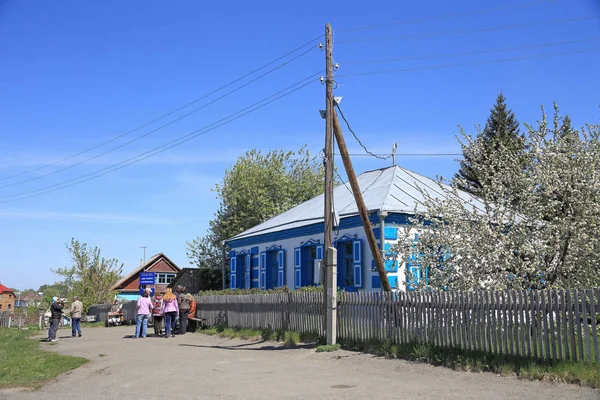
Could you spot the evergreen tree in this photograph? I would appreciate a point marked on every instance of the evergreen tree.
(501, 134)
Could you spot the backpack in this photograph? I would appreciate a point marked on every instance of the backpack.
(184, 301)
(157, 307)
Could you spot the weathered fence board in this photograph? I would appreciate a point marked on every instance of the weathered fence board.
(552, 325)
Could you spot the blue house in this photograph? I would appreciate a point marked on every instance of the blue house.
(288, 248)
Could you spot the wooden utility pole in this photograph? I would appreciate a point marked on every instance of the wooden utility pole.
(328, 159)
(360, 204)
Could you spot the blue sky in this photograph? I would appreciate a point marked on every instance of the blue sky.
(74, 74)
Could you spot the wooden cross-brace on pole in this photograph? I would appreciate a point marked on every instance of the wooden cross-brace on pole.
(360, 204)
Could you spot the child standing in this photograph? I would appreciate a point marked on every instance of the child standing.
(157, 314)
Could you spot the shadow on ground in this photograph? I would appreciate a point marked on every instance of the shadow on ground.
(245, 346)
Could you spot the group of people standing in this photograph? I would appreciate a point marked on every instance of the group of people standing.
(168, 306)
(56, 313)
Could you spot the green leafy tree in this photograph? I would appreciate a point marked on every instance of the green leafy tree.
(500, 135)
(91, 277)
(257, 187)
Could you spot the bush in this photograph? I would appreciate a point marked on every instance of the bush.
(282, 289)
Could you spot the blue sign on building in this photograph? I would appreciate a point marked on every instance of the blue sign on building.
(146, 278)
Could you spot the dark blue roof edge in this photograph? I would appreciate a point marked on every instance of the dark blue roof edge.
(345, 223)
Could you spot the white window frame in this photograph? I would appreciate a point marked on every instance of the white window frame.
(162, 278)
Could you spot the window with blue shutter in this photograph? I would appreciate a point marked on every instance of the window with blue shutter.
(414, 267)
(280, 268)
(254, 275)
(263, 270)
(319, 252)
(297, 267)
(357, 262)
(317, 267)
(232, 271)
(248, 270)
(389, 258)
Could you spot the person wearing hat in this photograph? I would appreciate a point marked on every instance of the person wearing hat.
(76, 311)
(55, 316)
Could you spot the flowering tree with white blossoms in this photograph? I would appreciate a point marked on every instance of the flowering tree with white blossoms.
(536, 224)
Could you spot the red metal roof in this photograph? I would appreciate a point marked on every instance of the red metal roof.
(5, 289)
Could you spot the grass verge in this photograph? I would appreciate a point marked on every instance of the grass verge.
(478, 361)
(25, 364)
(290, 338)
(328, 348)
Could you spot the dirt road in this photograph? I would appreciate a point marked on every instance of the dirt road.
(196, 366)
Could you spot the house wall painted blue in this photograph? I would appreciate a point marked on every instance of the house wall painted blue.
(292, 257)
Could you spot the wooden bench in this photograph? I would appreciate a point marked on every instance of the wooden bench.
(198, 323)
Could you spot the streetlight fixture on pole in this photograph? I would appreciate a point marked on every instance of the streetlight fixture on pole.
(144, 247)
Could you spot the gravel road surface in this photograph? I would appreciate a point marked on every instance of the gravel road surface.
(196, 366)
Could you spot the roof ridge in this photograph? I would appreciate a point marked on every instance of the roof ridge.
(389, 189)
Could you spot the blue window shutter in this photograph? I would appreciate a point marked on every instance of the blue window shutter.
(281, 268)
(232, 272)
(297, 269)
(391, 233)
(375, 282)
(390, 265)
(317, 269)
(263, 270)
(254, 250)
(248, 269)
(357, 262)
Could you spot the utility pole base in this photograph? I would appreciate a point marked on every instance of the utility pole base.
(331, 295)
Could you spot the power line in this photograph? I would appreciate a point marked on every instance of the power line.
(356, 137)
(162, 126)
(470, 52)
(165, 115)
(467, 63)
(140, 157)
(496, 28)
(342, 181)
(466, 14)
(404, 154)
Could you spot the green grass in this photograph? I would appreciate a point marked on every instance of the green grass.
(478, 361)
(328, 348)
(290, 338)
(25, 364)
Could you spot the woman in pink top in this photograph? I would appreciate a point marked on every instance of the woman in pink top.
(170, 309)
(144, 308)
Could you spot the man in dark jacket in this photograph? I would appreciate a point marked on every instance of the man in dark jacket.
(55, 316)
(184, 309)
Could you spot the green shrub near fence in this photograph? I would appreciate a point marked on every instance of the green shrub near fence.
(282, 289)
(290, 338)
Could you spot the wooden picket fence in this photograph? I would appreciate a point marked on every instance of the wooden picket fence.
(301, 312)
(547, 324)
(4, 317)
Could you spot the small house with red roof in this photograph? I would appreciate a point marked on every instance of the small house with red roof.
(7, 298)
(159, 269)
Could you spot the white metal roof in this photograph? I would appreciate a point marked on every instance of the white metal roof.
(392, 189)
